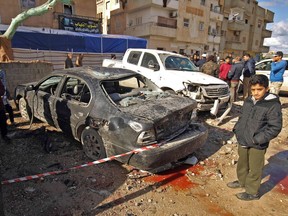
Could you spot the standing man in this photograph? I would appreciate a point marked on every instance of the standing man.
(248, 71)
(3, 123)
(234, 77)
(210, 67)
(201, 61)
(260, 121)
(68, 61)
(278, 67)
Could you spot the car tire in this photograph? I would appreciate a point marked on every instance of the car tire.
(171, 91)
(93, 145)
(24, 110)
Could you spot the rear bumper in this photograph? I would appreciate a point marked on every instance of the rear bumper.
(183, 145)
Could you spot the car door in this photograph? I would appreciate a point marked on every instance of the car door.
(45, 97)
(73, 105)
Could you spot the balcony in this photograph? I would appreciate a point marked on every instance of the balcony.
(214, 39)
(233, 45)
(148, 29)
(269, 16)
(264, 49)
(237, 4)
(266, 33)
(236, 25)
(214, 15)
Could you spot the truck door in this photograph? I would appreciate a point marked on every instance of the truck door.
(150, 68)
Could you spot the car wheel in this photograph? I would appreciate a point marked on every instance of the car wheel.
(92, 144)
(24, 109)
(171, 91)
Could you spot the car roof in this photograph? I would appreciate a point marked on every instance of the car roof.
(158, 52)
(100, 73)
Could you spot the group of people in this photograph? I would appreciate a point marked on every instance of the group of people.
(261, 118)
(230, 69)
(78, 62)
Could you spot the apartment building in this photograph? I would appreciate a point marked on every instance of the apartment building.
(76, 17)
(189, 26)
(244, 27)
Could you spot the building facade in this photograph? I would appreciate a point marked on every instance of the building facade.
(189, 26)
(75, 17)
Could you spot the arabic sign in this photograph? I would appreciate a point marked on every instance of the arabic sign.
(79, 25)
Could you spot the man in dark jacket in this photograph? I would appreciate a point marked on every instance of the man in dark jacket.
(234, 77)
(248, 71)
(3, 123)
(261, 121)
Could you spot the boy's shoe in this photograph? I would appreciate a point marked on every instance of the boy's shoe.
(247, 197)
(234, 184)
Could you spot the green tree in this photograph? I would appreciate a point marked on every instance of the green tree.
(6, 52)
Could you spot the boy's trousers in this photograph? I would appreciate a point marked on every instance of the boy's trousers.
(249, 168)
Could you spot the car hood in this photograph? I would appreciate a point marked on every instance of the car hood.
(157, 107)
(193, 77)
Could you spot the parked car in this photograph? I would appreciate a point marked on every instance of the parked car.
(264, 67)
(176, 73)
(113, 111)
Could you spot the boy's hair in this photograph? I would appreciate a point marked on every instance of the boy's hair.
(260, 79)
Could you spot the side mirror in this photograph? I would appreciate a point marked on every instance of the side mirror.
(154, 66)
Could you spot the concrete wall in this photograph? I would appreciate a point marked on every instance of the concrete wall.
(24, 72)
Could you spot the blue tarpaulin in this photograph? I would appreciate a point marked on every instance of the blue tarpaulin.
(61, 40)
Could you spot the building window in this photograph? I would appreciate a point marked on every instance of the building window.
(138, 20)
(181, 51)
(202, 2)
(244, 40)
(68, 9)
(201, 26)
(186, 22)
(246, 21)
(259, 23)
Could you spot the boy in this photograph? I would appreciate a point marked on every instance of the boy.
(261, 121)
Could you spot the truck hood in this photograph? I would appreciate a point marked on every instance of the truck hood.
(193, 77)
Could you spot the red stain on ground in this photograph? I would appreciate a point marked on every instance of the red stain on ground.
(176, 178)
(282, 187)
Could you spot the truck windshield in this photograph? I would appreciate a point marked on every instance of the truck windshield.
(172, 62)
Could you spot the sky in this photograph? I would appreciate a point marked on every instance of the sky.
(279, 39)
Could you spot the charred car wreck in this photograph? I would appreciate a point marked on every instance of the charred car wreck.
(113, 111)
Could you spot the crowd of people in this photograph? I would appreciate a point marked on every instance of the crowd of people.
(232, 69)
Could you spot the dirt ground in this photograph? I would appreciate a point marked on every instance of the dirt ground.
(116, 189)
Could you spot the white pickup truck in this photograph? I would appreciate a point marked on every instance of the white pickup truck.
(176, 74)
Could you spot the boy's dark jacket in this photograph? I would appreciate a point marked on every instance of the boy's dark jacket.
(259, 123)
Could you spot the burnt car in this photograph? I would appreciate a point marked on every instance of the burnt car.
(113, 111)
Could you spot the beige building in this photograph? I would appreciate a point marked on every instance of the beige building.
(77, 12)
(244, 27)
(187, 26)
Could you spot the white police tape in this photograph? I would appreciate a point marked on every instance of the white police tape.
(36, 176)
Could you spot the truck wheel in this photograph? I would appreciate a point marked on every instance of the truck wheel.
(24, 110)
(92, 144)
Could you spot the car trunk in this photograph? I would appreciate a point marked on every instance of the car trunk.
(171, 114)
